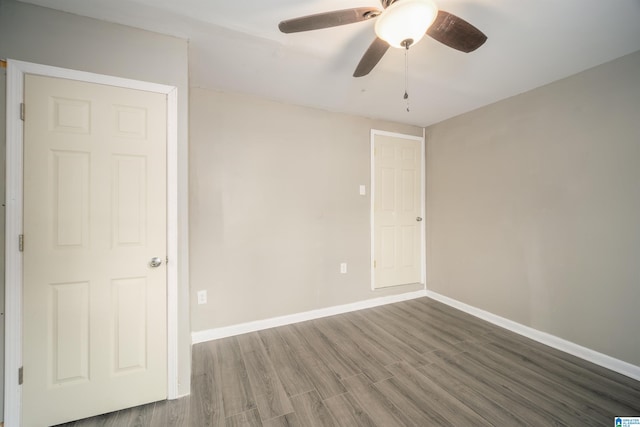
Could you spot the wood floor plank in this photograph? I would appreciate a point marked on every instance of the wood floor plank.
(377, 405)
(396, 328)
(206, 403)
(347, 411)
(509, 337)
(428, 334)
(288, 367)
(104, 420)
(323, 378)
(436, 339)
(202, 356)
(406, 405)
(246, 419)
(237, 396)
(432, 326)
(363, 360)
(553, 410)
(337, 361)
(433, 399)
(288, 420)
(249, 342)
(485, 401)
(139, 416)
(343, 326)
(387, 341)
(590, 405)
(438, 321)
(271, 399)
(578, 373)
(311, 411)
(518, 407)
(475, 326)
(172, 413)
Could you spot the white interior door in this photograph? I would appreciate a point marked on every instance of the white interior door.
(397, 210)
(94, 216)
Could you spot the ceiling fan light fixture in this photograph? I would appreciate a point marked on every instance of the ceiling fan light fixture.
(405, 21)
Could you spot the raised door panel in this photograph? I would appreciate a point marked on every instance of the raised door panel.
(129, 203)
(69, 322)
(71, 171)
(129, 311)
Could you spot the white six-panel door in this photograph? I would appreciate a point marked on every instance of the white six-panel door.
(397, 210)
(94, 216)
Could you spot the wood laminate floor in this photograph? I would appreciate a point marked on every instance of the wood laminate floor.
(414, 363)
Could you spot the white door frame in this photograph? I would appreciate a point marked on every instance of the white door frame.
(16, 71)
(423, 246)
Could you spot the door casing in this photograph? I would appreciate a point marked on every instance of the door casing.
(421, 139)
(14, 210)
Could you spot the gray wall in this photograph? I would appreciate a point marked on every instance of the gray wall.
(275, 208)
(533, 208)
(40, 35)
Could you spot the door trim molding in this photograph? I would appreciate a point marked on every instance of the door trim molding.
(16, 71)
(372, 192)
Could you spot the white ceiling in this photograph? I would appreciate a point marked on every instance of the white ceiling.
(235, 45)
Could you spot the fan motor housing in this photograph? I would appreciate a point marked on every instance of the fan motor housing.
(387, 3)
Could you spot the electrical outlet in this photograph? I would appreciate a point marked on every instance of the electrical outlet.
(343, 268)
(202, 297)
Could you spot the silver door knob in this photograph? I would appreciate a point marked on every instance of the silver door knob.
(418, 218)
(155, 262)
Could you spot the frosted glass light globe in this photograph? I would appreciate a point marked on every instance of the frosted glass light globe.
(405, 20)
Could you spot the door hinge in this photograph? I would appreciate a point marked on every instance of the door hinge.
(21, 243)
(22, 111)
(374, 263)
(20, 375)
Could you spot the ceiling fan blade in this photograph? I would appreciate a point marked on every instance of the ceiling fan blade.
(371, 57)
(455, 32)
(328, 19)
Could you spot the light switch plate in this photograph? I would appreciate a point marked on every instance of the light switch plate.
(202, 297)
(363, 190)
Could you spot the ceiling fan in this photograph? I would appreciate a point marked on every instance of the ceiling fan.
(401, 23)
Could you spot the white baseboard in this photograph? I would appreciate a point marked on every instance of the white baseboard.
(592, 356)
(258, 325)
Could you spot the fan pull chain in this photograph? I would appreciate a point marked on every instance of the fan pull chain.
(406, 75)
